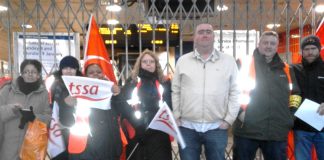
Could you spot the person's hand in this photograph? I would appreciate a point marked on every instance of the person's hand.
(320, 109)
(224, 125)
(241, 116)
(71, 101)
(16, 107)
(27, 116)
(178, 122)
(115, 89)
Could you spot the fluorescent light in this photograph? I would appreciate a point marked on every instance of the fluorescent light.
(27, 26)
(295, 36)
(3, 8)
(113, 8)
(319, 8)
(112, 22)
(270, 26)
(222, 8)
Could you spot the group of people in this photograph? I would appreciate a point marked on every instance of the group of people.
(207, 97)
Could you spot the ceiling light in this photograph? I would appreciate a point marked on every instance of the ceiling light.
(270, 26)
(113, 8)
(27, 26)
(295, 36)
(3, 8)
(319, 8)
(222, 8)
(112, 22)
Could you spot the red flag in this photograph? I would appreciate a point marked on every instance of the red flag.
(95, 51)
(320, 34)
(4, 80)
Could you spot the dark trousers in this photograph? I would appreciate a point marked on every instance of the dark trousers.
(63, 156)
(245, 149)
(153, 145)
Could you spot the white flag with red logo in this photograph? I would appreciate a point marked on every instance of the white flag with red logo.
(89, 92)
(164, 121)
(55, 144)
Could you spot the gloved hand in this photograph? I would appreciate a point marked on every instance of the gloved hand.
(27, 116)
(140, 133)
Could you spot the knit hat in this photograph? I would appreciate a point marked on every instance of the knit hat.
(311, 40)
(69, 61)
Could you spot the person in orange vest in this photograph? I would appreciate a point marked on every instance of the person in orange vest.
(105, 139)
(310, 77)
(269, 96)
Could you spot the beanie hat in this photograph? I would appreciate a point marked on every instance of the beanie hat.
(311, 40)
(69, 61)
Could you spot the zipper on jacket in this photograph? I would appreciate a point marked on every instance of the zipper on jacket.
(204, 86)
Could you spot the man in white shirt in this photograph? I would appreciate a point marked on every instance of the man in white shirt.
(205, 97)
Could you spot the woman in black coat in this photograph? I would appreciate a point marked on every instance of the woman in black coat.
(148, 80)
(68, 66)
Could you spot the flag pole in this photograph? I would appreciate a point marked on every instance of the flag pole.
(133, 151)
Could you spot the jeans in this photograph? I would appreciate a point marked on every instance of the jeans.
(214, 141)
(303, 144)
(245, 149)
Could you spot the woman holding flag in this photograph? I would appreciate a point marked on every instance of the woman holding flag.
(146, 87)
(69, 66)
(104, 141)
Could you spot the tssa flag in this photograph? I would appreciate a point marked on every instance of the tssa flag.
(89, 92)
(55, 144)
(164, 121)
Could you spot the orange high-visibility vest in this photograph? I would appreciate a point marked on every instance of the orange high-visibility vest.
(249, 66)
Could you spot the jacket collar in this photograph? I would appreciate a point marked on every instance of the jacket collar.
(215, 55)
(317, 61)
(275, 63)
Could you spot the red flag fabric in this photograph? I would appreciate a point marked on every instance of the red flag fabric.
(95, 51)
(320, 34)
(4, 80)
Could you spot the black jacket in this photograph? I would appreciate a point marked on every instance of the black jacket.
(268, 116)
(105, 142)
(310, 79)
(147, 138)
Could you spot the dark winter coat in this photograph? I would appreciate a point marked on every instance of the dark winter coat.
(147, 138)
(104, 142)
(268, 116)
(310, 78)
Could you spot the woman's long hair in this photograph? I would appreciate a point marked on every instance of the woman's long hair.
(137, 66)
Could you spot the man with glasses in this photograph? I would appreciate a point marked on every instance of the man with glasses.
(310, 77)
(205, 97)
(269, 96)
